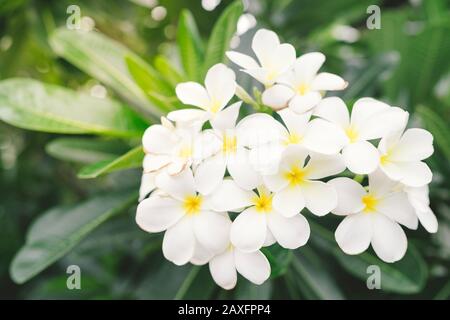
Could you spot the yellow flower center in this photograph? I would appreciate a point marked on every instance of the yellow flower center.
(185, 152)
(215, 106)
(352, 134)
(385, 158)
(263, 203)
(272, 75)
(303, 89)
(295, 176)
(192, 204)
(229, 144)
(293, 138)
(370, 203)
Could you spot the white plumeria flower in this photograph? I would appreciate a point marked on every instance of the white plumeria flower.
(267, 138)
(253, 266)
(274, 58)
(229, 153)
(373, 217)
(260, 223)
(193, 228)
(402, 155)
(220, 87)
(301, 89)
(170, 147)
(418, 197)
(370, 119)
(295, 185)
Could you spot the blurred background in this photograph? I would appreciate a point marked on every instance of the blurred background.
(405, 63)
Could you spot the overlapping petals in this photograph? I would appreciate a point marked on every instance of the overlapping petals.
(301, 88)
(222, 188)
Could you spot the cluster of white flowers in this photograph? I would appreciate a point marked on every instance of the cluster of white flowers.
(265, 171)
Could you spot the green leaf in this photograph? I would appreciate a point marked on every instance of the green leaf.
(423, 55)
(85, 150)
(131, 159)
(279, 259)
(164, 280)
(104, 59)
(201, 287)
(33, 105)
(314, 278)
(59, 230)
(157, 90)
(245, 290)
(363, 81)
(190, 45)
(438, 127)
(168, 71)
(406, 276)
(221, 35)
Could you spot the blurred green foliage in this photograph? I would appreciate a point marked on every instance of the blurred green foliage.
(50, 219)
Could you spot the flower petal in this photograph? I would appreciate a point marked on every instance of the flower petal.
(157, 214)
(320, 197)
(192, 93)
(389, 240)
(155, 162)
(270, 239)
(334, 110)
(328, 81)
(354, 233)
(364, 108)
(379, 184)
(209, 174)
(290, 233)
(307, 66)
(220, 83)
(226, 118)
(264, 44)
(321, 166)
(304, 103)
(262, 75)
(212, 230)
(223, 270)
(285, 58)
(324, 137)
(381, 124)
(179, 242)
(242, 60)
(258, 129)
(428, 219)
(397, 207)
(201, 255)
(277, 96)
(415, 145)
(188, 117)
(419, 199)
(415, 174)
(349, 193)
(253, 266)
(361, 157)
(178, 186)
(296, 123)
(230, 197)
(248, 231)
(147, 185)
(289, 201)
(158, 139)
(242, 171)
